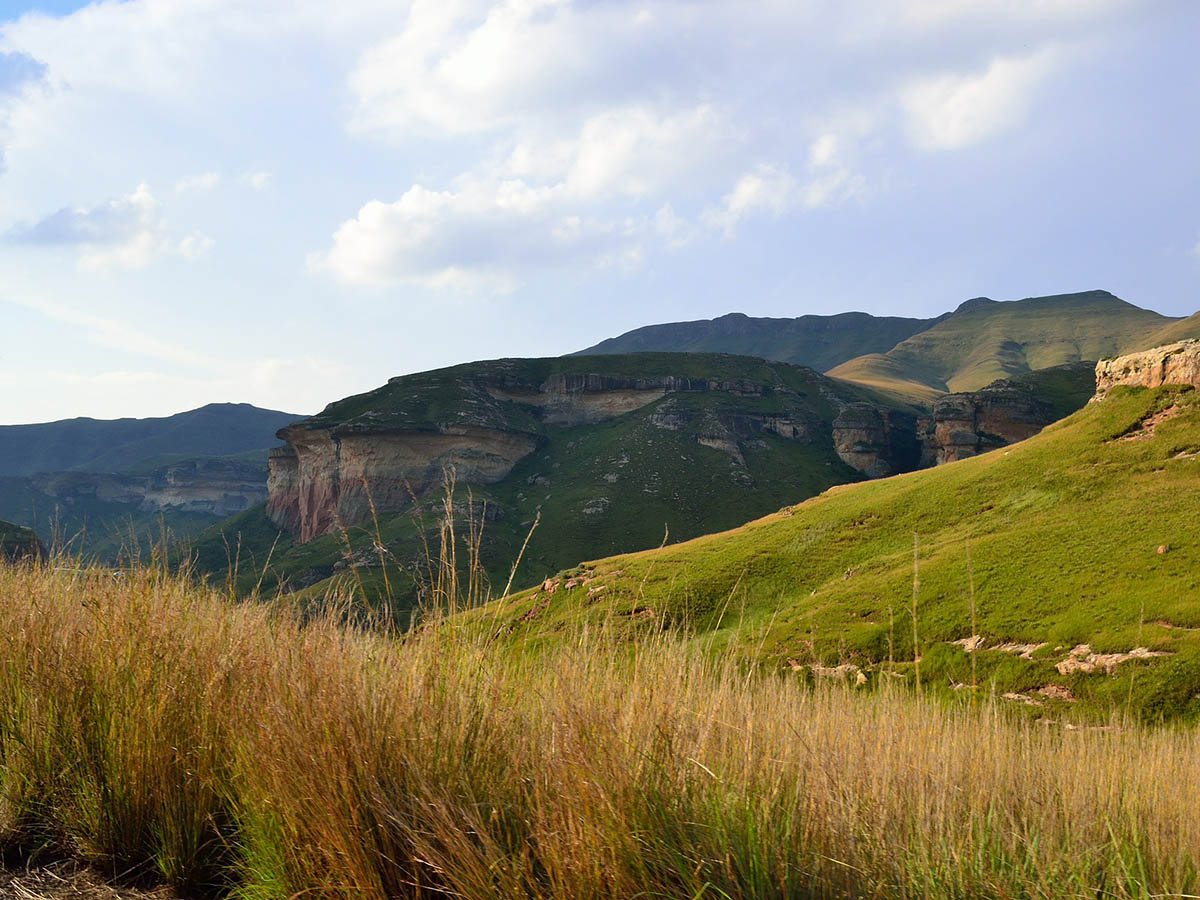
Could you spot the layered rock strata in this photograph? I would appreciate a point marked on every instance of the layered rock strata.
(967, 424)
(332, 477)
(1177, 363)
(877, 442)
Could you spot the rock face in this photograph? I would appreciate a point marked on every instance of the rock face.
(965, 425)
(875, 441)
(1177, 363)
(218, 486)
(333, 476)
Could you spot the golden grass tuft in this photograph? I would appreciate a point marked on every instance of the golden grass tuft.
(153, 728)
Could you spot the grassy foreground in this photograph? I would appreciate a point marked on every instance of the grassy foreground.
(153, 728)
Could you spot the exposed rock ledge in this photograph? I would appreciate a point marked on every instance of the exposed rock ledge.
(322, 479)
(1177, 363)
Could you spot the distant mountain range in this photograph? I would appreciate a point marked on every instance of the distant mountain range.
(108, 485)
(117, 445)
(819, 342)
(917, 359)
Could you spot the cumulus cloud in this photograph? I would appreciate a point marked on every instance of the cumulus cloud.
(951, 111)
(126, 232)
(477, 236)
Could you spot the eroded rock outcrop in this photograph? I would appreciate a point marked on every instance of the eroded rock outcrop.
(877, 442)
(965, 425)
(334, 475)
(1177, 363)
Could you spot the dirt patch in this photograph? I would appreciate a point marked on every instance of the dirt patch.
(69, 881)
(1083, 659)
(1144, 430)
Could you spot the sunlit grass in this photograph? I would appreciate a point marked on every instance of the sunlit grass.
(158, 731)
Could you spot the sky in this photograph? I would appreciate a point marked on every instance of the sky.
(286, 202)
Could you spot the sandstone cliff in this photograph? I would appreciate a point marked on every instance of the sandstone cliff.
(1177, 363)
(874, 440)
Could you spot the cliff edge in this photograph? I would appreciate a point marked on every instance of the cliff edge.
(1177, 363)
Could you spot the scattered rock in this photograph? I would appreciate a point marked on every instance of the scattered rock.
(1083, 659)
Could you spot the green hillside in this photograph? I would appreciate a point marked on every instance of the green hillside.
(1082, 543)
(1179, 330)
(986, 339)
(820, 342)
(116, 445)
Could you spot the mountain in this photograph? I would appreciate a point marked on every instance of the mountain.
(116, 445)
(820, 342)
(916, 360)
(1083, 566)
(609, 451)
(986, 339)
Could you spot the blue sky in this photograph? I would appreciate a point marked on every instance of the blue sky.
(287, 202)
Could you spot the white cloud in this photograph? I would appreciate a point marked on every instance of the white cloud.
(951, 111)
(123, 233)
(476, 236)
(765, 189)
(260, 181)
(195, 245)
(201, 183)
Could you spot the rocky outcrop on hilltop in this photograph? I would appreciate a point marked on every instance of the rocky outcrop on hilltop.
(221, 487)
(1177, 363)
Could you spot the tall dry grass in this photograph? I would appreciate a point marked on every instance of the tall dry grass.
(162, 732)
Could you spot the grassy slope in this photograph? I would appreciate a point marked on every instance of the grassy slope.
(984, 340)
(1063, 530)
(1176, 331)
(817, 341)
